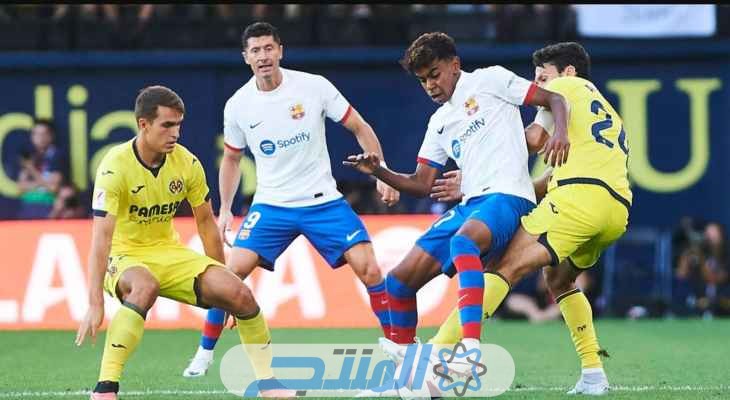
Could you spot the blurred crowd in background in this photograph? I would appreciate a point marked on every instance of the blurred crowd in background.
(156, 26)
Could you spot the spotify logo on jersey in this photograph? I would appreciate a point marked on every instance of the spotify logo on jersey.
(267, 147)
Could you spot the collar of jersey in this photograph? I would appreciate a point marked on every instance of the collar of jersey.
(461, 85)
(276, 90)
(155, 170)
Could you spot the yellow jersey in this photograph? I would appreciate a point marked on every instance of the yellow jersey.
(598, 144)
(145, 199)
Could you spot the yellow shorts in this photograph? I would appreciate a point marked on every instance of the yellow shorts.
(578, 222)
(176, 268)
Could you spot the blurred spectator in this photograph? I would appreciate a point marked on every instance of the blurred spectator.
(68, 204)
(701, 275)
(41, 173)
(519, 22)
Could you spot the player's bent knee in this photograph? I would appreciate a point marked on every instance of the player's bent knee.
(243, 302)
(143, 293)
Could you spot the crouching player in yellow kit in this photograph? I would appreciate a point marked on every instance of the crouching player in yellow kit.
(139, 186)
(584, 211)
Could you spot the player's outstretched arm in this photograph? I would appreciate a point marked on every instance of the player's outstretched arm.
(557, 146)
(229, 177)
(417, 184)
(101, 241)
(369, 143)
(208, 231)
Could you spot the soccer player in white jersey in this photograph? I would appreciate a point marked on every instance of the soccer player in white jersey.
(479, 126)
(279, 114)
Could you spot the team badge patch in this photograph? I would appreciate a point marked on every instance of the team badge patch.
(245, 233)
(297, 111)
(176, 186)
(471, 106)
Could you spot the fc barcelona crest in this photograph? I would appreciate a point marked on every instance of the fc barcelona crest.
(471, 106)
(297, 111)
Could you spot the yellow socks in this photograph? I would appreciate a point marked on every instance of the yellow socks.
(124, 333)
(256, 340)
(579, 317)
(495, 290)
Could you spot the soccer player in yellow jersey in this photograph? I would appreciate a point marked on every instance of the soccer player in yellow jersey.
(578, 236)
(136, 254)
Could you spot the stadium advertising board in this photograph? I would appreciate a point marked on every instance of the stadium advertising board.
(44, 283)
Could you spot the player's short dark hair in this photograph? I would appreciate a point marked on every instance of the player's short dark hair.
(426, 49)
(47, 123)
(258, 29)
(151, 97)
(563, 54)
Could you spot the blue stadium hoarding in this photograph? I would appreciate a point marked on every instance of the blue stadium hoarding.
(672, 97)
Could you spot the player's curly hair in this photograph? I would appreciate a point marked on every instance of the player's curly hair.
(258, 29)
(563, 54)
(151, 97)
(426, 49)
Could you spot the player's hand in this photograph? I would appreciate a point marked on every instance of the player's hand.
(556, 149)
(366, 163)
(90, 324)
(229, 321)
(448, 188)
(225, 217)
(389, 196)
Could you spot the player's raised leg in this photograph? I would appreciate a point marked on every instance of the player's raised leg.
(138, 289)
(221, 288)
(578, 317)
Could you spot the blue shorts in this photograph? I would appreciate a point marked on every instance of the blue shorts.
(331, 227)
(500, 212)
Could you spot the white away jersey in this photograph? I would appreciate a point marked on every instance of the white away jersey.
(481, 129)
(284, 128)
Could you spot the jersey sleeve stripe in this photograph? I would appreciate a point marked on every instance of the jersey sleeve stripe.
(231, 147)
(347, 115)
(99, 213)
(428, 162)
(530, 92)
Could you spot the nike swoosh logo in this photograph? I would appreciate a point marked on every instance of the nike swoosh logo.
(255, 125)
(440, 131)
(461, 298)
(135, 191)
(107, 173)
(119, 346)
(352, 235)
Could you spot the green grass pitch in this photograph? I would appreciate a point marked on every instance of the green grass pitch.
(681, 359)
